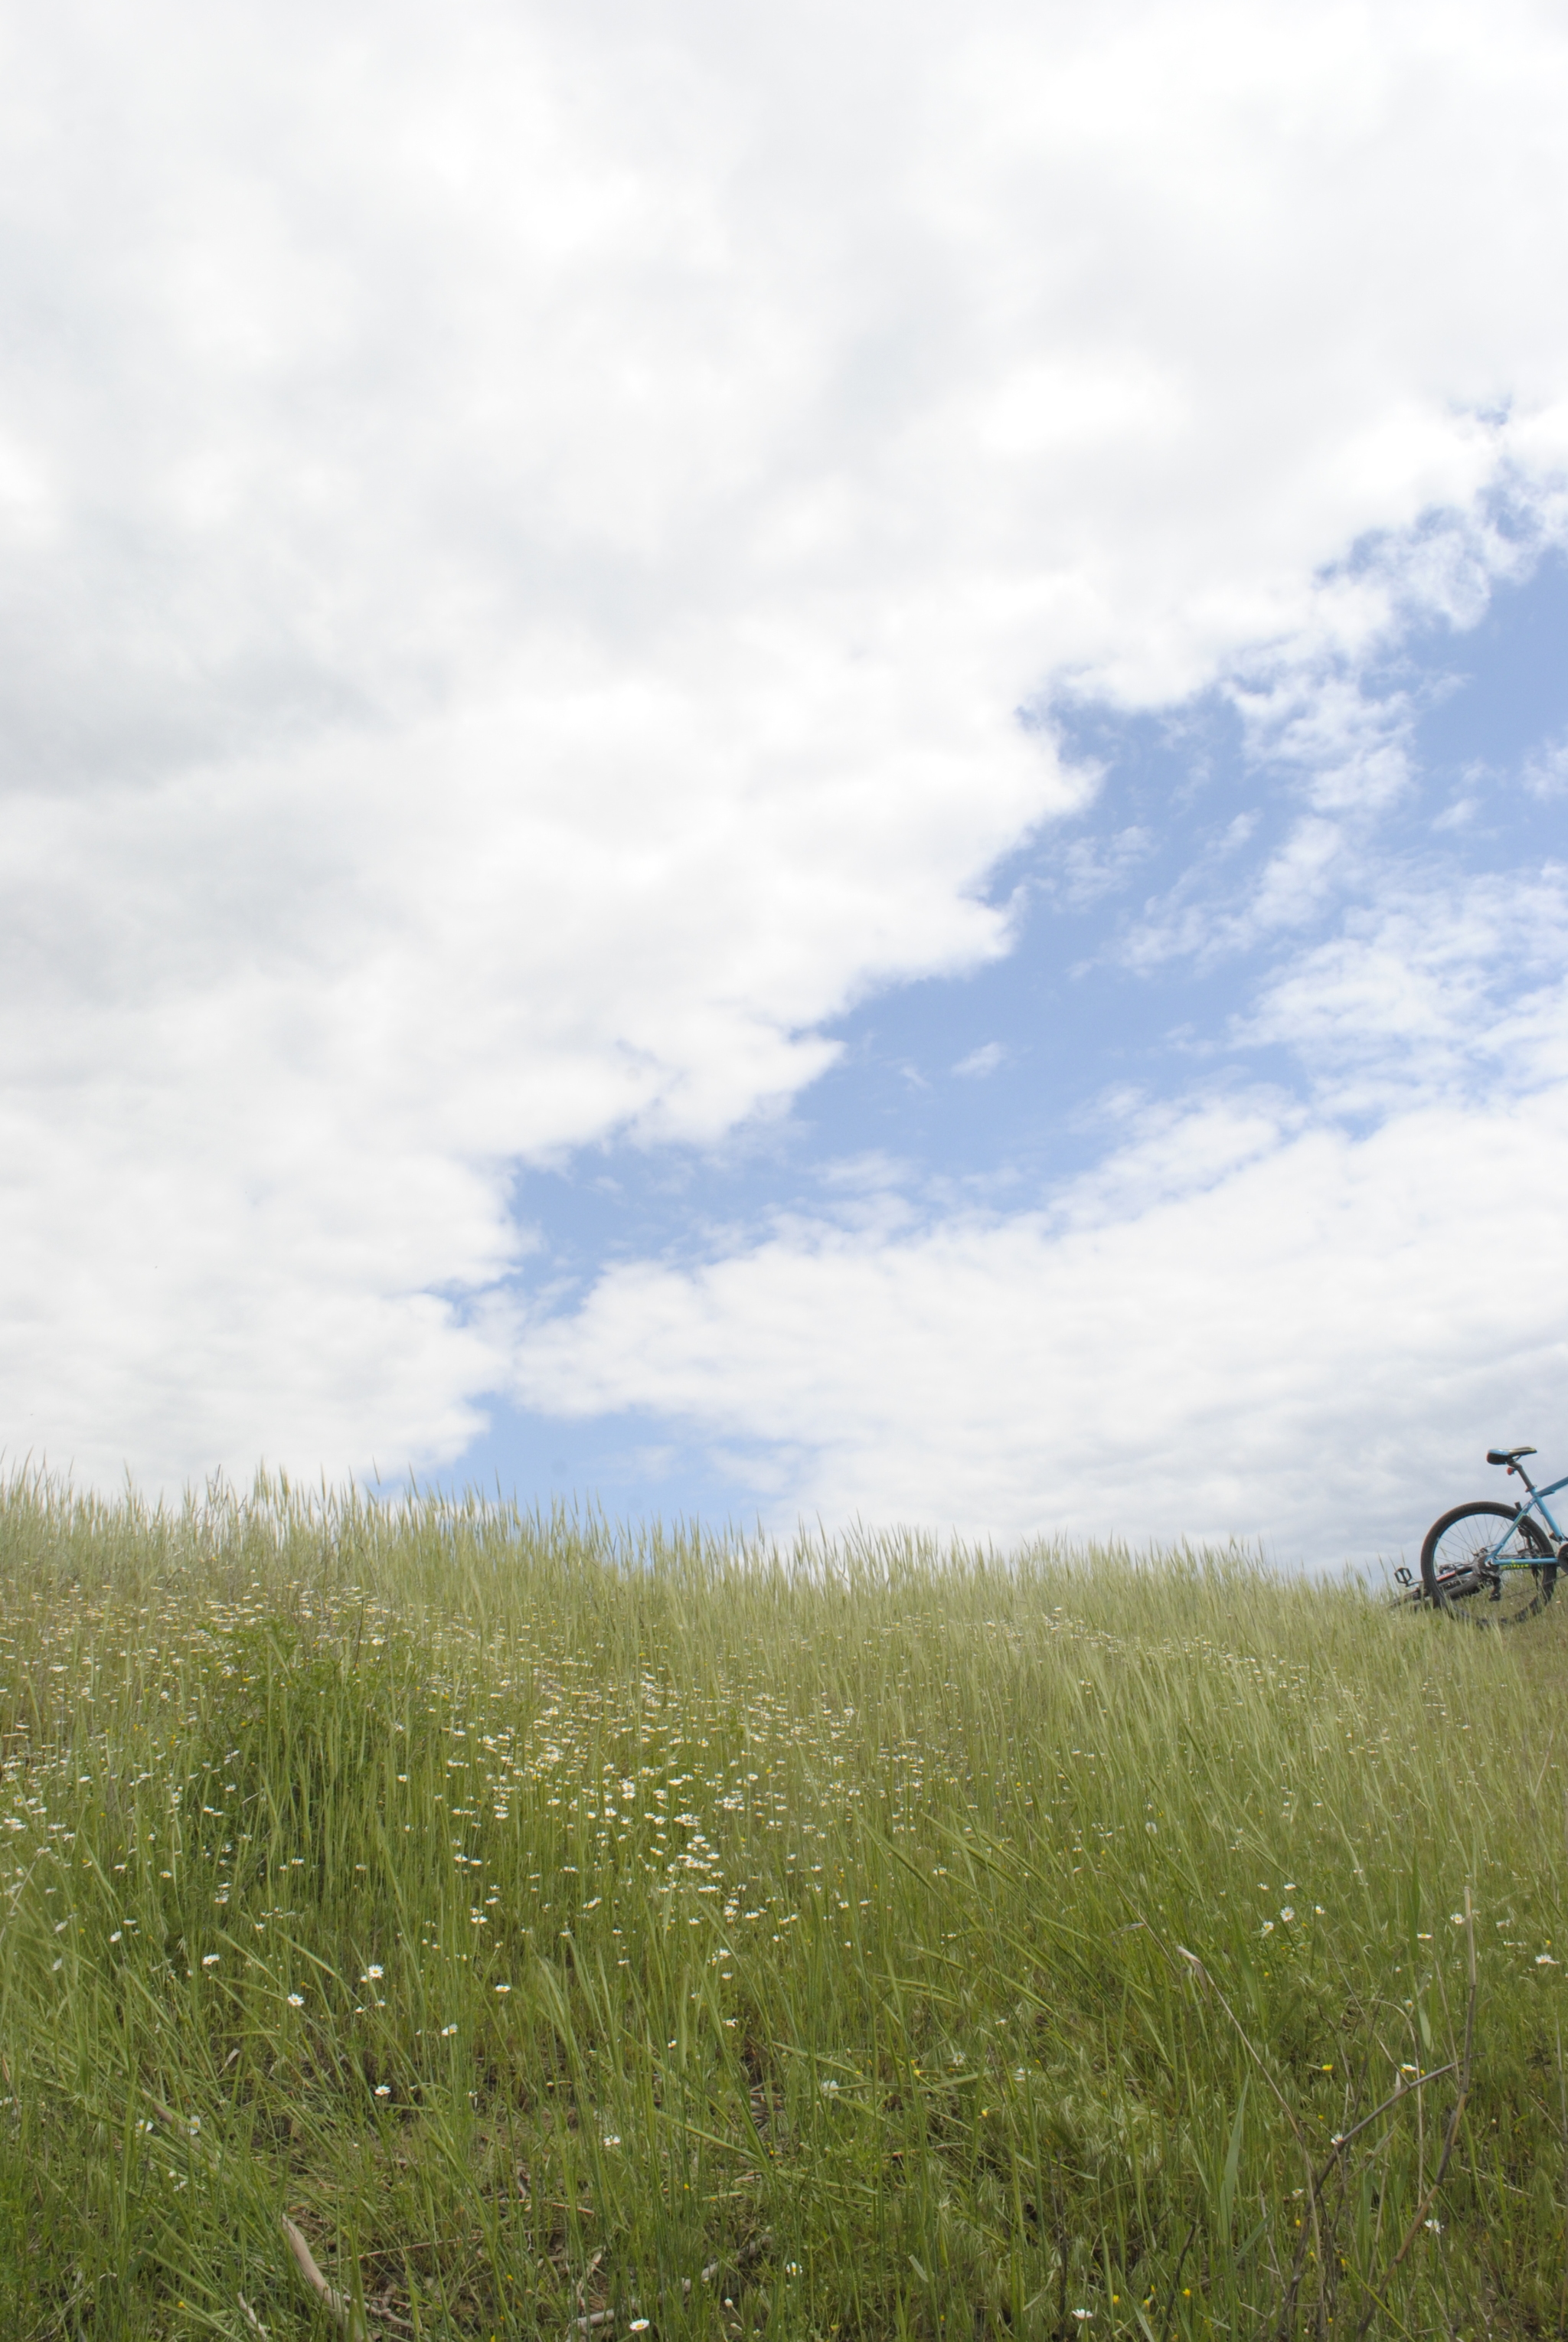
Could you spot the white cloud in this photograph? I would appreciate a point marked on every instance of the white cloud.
(1546, 770)
(986, 1060)
(524, 534)
(1091, 868)
(1308, 1342)
(1445, 990)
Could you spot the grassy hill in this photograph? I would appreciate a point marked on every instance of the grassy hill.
(575, 1932)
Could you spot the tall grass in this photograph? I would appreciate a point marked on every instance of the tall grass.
(560, 1924)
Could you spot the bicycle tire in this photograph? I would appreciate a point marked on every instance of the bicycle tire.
(1456, 1578)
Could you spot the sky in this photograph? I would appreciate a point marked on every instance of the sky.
(799, 767)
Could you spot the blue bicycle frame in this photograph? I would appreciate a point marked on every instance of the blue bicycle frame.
(1537, 1504)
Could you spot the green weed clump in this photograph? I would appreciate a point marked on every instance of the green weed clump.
(578, 1931)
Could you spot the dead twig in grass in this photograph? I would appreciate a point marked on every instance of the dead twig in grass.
(1340, 2143)
(1287, 2311)
(385, 2316)
(590, 2317)
(1318, 2179)
(342, 2308)
(586, 2279)
(1406, 2089)
(1450, 2138)
(1175, 2281)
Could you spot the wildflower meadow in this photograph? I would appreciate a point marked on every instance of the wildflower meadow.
(434, 1920)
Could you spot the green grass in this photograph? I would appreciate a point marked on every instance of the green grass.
(918, 1944)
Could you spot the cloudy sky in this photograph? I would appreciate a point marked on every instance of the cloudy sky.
(789, 762)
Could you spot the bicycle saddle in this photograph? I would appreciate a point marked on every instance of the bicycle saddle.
(1507, 1455)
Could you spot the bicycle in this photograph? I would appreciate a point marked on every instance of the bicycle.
(1491, 1578)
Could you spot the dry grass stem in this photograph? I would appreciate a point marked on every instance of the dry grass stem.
(340, 2306)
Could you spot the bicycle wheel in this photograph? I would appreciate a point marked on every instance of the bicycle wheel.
(1472, 1571)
